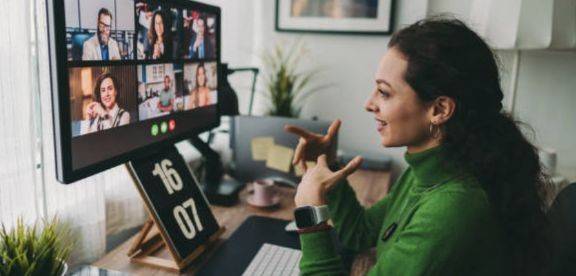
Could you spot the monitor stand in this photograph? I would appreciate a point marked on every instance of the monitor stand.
(218, 189)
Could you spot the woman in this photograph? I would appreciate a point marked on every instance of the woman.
(104, 112)
(159, 37)
(471, 201)
(200, 44)
(200, 96)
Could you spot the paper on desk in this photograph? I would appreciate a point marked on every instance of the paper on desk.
(299, 172)
(260, 147)
(279, 158)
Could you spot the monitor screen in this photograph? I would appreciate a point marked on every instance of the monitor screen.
(128, 77)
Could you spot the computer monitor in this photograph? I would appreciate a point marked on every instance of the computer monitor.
(129, 77)
(246, 128)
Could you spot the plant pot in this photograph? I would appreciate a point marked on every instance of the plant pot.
(64, 269)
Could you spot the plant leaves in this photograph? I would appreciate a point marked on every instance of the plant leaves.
(27, 250)
(286, 85)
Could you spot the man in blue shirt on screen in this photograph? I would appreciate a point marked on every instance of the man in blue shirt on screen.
(101, 46)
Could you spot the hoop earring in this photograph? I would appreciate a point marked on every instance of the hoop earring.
(434, 130)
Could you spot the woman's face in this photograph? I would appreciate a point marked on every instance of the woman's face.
(402, 119)
(108, 93)
(158, 25)
(201, 76)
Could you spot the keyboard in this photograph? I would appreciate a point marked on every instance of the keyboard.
(274, 260)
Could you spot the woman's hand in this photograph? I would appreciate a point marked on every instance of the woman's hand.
(312, 145)
(89, 112)
(318, 180)
(93, 110)
(157, 53)
(197, 42)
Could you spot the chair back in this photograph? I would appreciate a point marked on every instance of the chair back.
(562, 216)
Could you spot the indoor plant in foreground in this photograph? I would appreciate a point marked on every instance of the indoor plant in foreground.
(40, 249)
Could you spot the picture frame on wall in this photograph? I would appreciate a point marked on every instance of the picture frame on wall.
(373, 17)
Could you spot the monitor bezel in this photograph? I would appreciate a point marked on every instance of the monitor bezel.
(60, 91)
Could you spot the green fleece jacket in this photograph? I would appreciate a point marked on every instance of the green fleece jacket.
(436, 220)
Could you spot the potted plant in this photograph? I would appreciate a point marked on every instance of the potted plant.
(287, 85)
(34, 250)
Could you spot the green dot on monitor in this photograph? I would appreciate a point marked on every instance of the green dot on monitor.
(164, 127)
(154, 130)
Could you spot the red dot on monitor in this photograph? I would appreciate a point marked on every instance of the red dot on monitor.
(172, 125)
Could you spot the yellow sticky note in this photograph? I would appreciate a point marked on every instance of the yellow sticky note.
(279, 158)
(260, 147)
(299, 172)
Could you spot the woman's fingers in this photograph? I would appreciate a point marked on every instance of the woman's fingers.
(299, 152)
(303, 166)
(322, 160)
(350, 168)
(299, 131)
(333, 129)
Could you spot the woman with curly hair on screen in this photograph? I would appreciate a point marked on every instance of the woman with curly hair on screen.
(159, 36)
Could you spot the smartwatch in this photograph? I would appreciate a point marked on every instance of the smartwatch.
(308, 216)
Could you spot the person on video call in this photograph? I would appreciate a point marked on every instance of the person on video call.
(144, 16)
(200, 96)
(473, 198)
(104, 112)
(200, 44)
(166, 96)
(101, 46)
(160, 40)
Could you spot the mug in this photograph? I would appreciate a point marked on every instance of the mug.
(264, 192)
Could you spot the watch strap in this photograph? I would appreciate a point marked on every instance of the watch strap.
(322, 213)
(316, 228)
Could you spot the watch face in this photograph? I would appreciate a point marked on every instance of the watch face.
(304, 217)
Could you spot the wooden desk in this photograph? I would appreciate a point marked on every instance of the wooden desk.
(369, 187)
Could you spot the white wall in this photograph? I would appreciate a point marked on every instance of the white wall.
(17, 176)
(546, 100)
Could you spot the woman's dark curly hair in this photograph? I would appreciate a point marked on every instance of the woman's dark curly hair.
(167, 36)
(446, 58)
